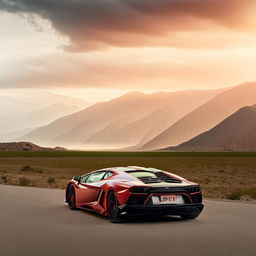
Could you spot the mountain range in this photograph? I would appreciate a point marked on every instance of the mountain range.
(122, 121)
(235, 133)
(205, 116)
(169, 108)
(136, 120)
(18, 117)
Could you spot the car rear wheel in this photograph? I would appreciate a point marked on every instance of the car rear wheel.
(71, 198)
(114, 214)
(189, 216)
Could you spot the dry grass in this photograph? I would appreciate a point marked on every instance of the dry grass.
(243, 192)
(219, 177)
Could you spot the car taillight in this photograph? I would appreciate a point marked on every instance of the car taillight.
(139, 190)
(192, 189)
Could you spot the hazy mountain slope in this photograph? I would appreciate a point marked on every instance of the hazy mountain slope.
(14, 135)
(48, 114)
(46, 98)
(130, 133)
(10, 106)
(76, 128)
(124, 109)
(47, 133)
(23, 116)
(107, 134)
(10, 110)
(79, 127)
(205, 117)
(235, 133)
(175, 105)
(158, 121)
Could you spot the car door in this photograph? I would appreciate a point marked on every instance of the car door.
(89, 186)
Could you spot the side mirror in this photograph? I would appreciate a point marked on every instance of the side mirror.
(77, 178)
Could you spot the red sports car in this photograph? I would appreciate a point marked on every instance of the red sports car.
(130, 191)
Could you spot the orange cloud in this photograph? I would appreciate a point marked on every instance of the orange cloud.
(140, 69)
(99, 24)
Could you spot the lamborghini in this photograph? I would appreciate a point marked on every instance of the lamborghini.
(121, 192)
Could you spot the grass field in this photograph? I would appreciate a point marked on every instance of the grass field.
(123, 154)
(220, 174)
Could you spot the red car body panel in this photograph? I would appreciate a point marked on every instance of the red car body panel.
(93, 196)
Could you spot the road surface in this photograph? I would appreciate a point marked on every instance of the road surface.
(35, 222)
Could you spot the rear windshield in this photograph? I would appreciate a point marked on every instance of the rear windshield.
(139, 174)
(153, 177)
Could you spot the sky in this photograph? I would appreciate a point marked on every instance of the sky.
(100, 49)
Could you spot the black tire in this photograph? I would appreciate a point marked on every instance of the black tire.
(71, 198)
(190, 216)
(113, 210)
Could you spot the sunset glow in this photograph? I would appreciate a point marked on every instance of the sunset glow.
(127, 45)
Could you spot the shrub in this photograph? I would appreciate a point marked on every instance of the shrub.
(236, 194)
(207, 180)
(4, 178)
(24, 181)
(39, 170)
(26, 168)
(51, 180)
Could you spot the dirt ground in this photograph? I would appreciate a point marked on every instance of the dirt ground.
(219, 177)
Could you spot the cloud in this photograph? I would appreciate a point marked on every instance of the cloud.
(135, 69)
(98, 24)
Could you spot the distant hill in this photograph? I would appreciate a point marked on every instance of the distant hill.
(10, 110)
(118, 121)
(48, 114)
(46, 98)
(11, 107)
(14, 135)
(169, 108)
(26, 146)
(205, 117)
(18, 117)
(235, 133)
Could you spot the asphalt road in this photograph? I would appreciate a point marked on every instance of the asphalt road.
(37, 222)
